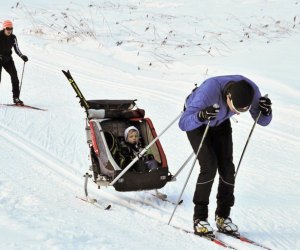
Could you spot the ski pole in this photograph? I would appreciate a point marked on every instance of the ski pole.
(194, 162)
(22, 78)
(256, 120)
(183, 166)
(237, 169)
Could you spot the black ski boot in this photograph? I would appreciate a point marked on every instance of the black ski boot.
(18, 102)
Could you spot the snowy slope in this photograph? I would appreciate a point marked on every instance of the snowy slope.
(153, 51)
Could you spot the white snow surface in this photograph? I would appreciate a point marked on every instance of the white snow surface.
(153, 51)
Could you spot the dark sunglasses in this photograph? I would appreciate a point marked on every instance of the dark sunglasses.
(9, 28)
(243, 109)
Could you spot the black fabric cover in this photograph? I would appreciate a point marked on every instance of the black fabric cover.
(125, 114)
(135, 181)
(111, 104)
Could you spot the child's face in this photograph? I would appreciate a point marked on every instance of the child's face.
(133, 137)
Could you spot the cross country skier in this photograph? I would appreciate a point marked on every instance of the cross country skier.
(233, 94)
(7, 41)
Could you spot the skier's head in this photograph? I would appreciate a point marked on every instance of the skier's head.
(131, 135)
(239, 96)
(7, 27)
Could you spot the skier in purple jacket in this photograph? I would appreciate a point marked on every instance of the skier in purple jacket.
(216, 100)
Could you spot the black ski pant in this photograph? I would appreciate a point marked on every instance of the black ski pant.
(215, 154)
(10, 67)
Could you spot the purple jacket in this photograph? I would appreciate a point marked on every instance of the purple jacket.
(210, 92)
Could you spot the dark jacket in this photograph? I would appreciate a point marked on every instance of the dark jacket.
(129, 152)
(6, 45)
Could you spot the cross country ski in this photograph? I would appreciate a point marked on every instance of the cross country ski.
(23, 106)
(244, 239)
(209, 237)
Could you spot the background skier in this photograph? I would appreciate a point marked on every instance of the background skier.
(216, 100)
(7, 41)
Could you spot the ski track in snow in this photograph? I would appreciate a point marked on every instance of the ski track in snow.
(60, 187)
(56, 171)
(124, 86)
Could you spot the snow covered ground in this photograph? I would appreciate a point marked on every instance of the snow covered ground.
(154, 51)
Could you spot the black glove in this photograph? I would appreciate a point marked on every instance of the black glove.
(209, 113)
(265, 105)
(25, 58)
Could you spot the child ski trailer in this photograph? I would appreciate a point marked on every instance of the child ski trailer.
(108, 124)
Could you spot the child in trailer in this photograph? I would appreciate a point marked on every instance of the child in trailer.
(131, 147)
